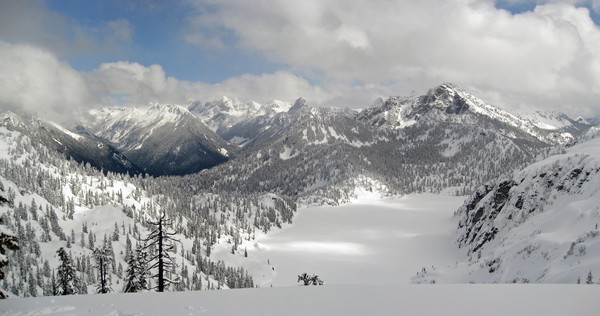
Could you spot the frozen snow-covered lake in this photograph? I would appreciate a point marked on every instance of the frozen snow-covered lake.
(369, 242)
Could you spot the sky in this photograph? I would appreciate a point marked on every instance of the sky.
(521, 55)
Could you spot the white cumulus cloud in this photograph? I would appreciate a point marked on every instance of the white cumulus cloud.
(34, 80)
(547, 57)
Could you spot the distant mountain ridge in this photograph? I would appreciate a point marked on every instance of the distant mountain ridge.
(448, 103)
(78, 145)
(165, 139)
(442, 139)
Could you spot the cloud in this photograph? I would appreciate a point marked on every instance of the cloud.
(34, 80)
(593, 4)
(337, 52)
(136, 84)
(548, 57)
(132, 83)
(119, 31)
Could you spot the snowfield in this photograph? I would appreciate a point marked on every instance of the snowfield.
(461, 300)
(372, 241)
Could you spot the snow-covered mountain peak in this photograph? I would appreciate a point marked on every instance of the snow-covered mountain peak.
(165, 138)
(447, 103)
(155, 115)
(220, 115)
(299, 105)
(11, 119)
(277, 106)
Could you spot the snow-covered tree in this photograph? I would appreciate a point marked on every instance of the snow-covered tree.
(135, 275)
(7, 242)
(589, 278)
(66, 275)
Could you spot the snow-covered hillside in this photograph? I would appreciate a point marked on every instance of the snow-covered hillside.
(49, 202)
(539, 225)
(78, 145)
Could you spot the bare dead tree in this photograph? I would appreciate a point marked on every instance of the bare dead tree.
(160, 243)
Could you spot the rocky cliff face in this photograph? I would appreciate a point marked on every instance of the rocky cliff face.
(539, 225)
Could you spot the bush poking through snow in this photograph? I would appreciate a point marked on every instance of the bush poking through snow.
(310, 279)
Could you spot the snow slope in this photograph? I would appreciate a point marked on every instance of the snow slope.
(539, 225)
(464, 300)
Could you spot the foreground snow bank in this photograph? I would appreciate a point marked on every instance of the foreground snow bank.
(462, 300)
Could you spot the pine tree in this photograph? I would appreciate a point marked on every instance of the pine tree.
(66, 276)
(131, 275)
(589, 278)
(7, 242)
(115, 236)
(103, 261)
(32, 286)
(162, 243)
(54, 285)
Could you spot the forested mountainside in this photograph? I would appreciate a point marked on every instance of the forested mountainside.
(79, 145)
(163, 139)
(49, 202)
(446, 138)
(538, 225)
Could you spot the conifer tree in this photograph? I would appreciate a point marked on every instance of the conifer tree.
(65, 277)
(7, 242)
(589, 278)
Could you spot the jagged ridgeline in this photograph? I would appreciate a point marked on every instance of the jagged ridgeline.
(445, 138)
(49, 202)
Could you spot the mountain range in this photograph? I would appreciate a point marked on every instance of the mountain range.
(167, 139)
(225, 171)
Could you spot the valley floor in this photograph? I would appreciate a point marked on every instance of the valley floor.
(372, 241)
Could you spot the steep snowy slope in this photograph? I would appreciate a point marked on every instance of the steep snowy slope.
(78, 145)
(163, 139)
(539, 225)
